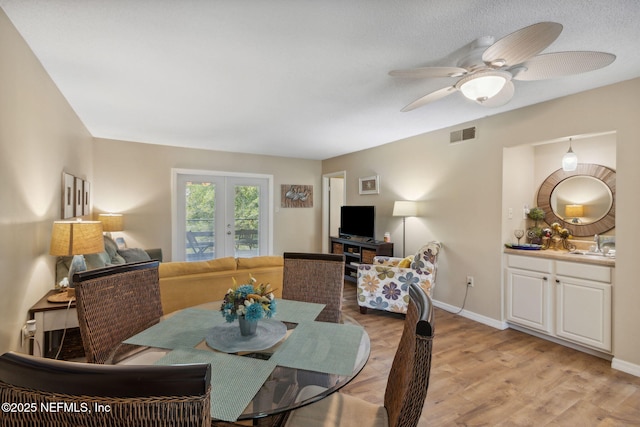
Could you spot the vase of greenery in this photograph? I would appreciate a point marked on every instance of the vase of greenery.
(535, 233)
(248, 303)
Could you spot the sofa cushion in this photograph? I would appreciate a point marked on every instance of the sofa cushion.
(94, 261)
(111, 248)
(134, 254)
(172, 269)
(260, 262)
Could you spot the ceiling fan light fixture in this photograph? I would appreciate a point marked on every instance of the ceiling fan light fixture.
(482, 86)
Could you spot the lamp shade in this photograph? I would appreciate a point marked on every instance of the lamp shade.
(405, 208)
(574, 211)
(111, 222)
(482, 86)
(76, 238)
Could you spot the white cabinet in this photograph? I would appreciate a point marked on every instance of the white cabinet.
(568, 300)
(529, 294)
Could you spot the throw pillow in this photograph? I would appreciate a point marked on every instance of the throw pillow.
(111, 247)
(134, 255)
(406, 262)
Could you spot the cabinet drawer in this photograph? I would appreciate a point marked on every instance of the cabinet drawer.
(529, 263)
(583, 271)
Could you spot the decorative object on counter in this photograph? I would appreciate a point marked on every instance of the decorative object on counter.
(569, 160)
(248, 303)
(534, 234)
(524, 246)
(519, 234)
(556, 238)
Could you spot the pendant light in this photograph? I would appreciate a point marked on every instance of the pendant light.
(569, 160)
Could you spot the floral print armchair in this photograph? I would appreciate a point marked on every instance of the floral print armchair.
(384, 285)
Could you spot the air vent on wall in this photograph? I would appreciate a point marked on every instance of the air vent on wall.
(463, 135)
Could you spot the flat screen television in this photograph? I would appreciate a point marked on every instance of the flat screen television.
(358, 221)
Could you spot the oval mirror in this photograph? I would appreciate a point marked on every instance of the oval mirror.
(583, 201)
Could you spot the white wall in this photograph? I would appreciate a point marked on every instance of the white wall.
(461, 187)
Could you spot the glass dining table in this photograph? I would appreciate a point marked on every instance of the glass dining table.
(292, 360)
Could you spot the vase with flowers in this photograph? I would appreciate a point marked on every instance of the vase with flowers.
(248, 303)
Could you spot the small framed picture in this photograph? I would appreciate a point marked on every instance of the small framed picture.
(370, 185)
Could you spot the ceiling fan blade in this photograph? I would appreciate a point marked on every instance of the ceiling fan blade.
(559, 64)
(428, 72)
(501, 98)
(433, 96)
(521, 45)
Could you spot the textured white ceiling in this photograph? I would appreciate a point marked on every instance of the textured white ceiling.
(298, 78)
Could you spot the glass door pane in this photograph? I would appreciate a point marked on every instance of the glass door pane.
(219, 216)
(199, 226)
(246, 217)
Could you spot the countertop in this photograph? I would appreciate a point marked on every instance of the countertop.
(564, 256)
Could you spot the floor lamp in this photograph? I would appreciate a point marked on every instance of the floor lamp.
(404, 209)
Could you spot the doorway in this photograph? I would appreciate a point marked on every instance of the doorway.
(334, 194)
(220, 214)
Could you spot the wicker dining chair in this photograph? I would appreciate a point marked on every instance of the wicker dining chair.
(45, 392)
(406, 386)
(115, 303)
(317, 278)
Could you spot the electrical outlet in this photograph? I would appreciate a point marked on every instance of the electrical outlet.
(470, 281)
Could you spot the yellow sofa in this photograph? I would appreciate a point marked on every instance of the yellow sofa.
(186, 284)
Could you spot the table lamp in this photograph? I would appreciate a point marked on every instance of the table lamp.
(76, 238)
(404, 209)
(575, 212)
(111, 222)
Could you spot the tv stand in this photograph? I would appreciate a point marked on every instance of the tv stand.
(358, 251)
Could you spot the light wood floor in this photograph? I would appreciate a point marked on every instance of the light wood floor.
(482, 376)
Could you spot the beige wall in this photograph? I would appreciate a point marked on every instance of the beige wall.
(40, 137)
(135, 179)
(460, 187)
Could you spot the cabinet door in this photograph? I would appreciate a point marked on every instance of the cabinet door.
(528, 299)
(583, 312)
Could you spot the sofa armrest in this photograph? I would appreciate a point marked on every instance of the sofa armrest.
(155, 254)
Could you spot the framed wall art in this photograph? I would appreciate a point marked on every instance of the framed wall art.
(369, 185)
(78, 190)
(68, 199)
(86, 197)
(76, 196)
(296, 196)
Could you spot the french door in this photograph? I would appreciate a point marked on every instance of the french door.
(219, 214)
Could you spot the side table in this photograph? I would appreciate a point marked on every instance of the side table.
(50, 318)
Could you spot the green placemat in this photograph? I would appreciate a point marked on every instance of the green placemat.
(297, 311)
(320, 346)
(235, 380)
(184, 329)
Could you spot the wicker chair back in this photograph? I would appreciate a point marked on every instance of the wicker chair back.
(409, 376)
(46, 392)
(317, 278)
(115, 303)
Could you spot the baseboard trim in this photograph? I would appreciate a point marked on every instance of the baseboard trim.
(628, 367)
(471, 315)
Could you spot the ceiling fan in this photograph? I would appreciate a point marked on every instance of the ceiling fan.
(485, 74)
